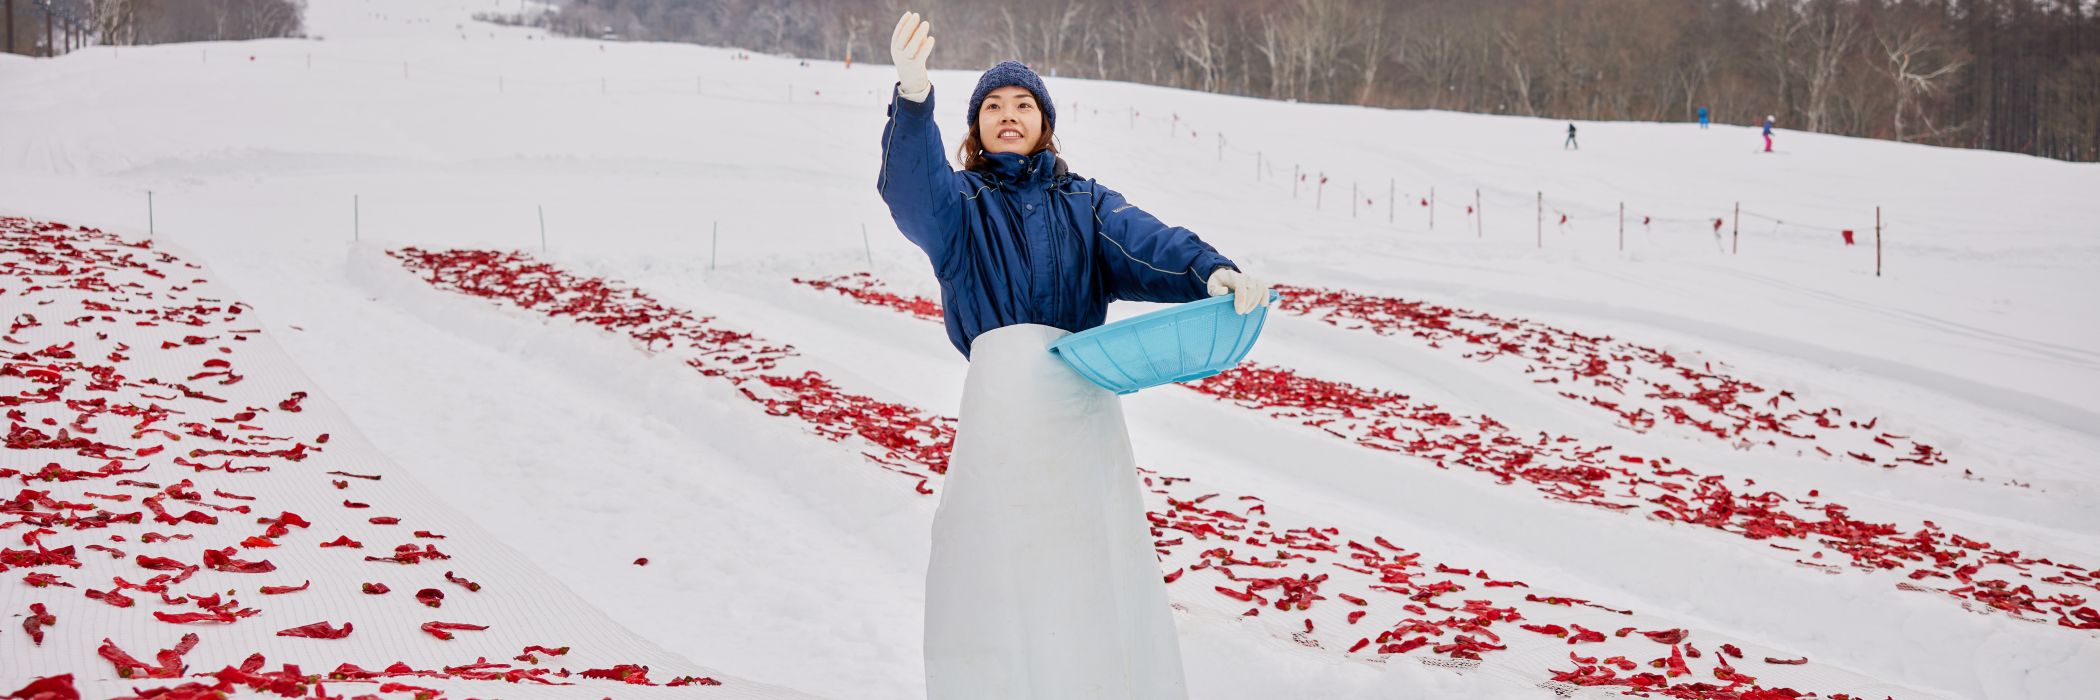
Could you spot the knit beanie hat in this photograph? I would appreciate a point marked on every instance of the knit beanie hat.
(1012, 73)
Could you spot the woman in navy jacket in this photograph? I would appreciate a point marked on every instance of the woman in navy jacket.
(1042, 581)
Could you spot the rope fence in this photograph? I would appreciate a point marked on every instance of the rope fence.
(1566, 217)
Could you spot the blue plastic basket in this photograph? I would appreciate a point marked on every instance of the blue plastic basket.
(1187, 342)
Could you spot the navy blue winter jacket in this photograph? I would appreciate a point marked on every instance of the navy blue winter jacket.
(1028, 241)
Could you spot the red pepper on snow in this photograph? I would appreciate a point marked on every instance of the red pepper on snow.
(439, 629)
(318, 630)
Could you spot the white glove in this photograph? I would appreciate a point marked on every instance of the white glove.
(1247, 292)
(910, 44)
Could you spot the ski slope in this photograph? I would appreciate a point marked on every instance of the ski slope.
(784, 558)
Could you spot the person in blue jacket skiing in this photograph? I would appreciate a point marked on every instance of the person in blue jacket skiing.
(1042, 580)
(1702, 117)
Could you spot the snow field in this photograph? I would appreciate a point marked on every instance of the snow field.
(1975, 342)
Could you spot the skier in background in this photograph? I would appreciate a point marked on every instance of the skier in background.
(1702, 117)
(1768, 133)
(1042, 582)
(1571, 139)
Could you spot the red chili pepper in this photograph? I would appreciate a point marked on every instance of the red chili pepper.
(625, 673)
(469, 585)
(222, 560)
(280, 590)
(690, 680)
(170, 660)
(431, 597)
(343, 541)
(385, 520)
(1787, 662)
(194, 617)
(114, 598)
(160, 563)
(59, 687)
(1669, 636)
(418, 691)
(375, 588)
(318, 630)
(641, 561)
(1675, 664)
(438, 629)
(38, 619)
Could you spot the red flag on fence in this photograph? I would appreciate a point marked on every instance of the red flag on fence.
(1564, 219)
(1717, 225)
(1848, 236)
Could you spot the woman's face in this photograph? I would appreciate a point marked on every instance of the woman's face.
(1009, 121)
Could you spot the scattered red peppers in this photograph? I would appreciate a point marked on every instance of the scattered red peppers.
(92, 412)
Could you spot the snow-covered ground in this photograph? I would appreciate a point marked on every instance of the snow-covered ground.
(288, 168)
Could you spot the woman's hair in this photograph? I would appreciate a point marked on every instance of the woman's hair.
(971, 152)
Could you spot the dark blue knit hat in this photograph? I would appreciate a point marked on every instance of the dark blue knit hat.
(1012, 73)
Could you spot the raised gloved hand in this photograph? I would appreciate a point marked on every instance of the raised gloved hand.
(910, 44)
(1247, 292)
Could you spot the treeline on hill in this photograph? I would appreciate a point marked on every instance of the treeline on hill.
(75, 23)
(2011, 75)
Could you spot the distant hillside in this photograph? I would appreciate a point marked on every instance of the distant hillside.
(42, 28)
(2011, 75)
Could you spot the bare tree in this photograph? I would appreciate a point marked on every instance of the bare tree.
(129, 22)
(1831, 29)
(1780, 27)
(1372, 43)
(1523, 73)
(1919, 65)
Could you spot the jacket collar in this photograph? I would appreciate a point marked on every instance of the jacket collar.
(1015, 169)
